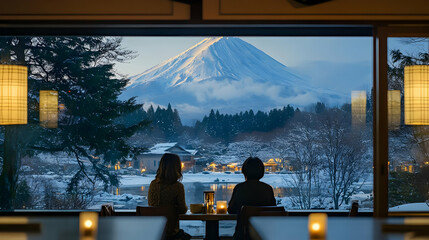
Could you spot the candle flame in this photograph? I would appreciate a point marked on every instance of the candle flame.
(315, 226)
(88, 223)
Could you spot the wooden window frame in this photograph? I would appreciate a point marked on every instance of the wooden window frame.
(381, 133)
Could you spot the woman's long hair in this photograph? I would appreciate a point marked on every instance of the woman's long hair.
(170, 169)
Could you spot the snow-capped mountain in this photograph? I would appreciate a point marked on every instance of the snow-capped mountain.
(224, 73)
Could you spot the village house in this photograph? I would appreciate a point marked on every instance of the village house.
(148, 162)
(271, 165)
(278, 164)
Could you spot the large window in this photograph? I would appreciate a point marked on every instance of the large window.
(303, 105)
(408, 76)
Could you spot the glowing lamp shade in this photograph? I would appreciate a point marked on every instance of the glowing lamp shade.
(358, 108)
(48, 109)
(394, 108)
(416, 95)
(13, 94)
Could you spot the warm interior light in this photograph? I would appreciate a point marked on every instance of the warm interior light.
(48, 109)
(315, 226)
(221, 207)
(394, 108)
(13, 94)
(416, 95)
(88, 223)
(358, 108)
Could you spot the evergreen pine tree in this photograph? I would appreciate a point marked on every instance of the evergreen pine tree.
(81, 70)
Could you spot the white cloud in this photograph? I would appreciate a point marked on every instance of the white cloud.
(230, 89)
(189, 109)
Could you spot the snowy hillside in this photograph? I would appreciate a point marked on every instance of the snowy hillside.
(224, 73)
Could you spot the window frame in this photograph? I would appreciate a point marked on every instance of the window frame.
(378, 31)
(381, 133)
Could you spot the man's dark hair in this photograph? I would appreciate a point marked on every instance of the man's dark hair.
(253, 168)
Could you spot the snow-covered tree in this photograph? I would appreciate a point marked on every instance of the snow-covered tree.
(343, 155)
(303, 139)
(81, 69)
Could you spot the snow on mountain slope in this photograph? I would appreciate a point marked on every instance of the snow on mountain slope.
(214, 58)
(224, 73)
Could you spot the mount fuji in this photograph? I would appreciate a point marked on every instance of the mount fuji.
(224, 73)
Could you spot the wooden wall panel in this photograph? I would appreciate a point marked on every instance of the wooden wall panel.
(94, 10)
(329, 10)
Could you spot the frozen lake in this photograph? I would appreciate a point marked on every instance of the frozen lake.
(195, 184)
(193, 192)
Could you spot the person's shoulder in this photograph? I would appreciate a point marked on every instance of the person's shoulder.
(265, 185)
(154, 183)
(239, 186)
(178, 184)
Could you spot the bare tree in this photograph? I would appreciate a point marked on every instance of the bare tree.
(302, 140)
(244, 149)
(343, 154)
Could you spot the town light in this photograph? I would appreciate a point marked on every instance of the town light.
(394, 108)
(48, 111)
(358, 108)
(416, 95)
(13, 94)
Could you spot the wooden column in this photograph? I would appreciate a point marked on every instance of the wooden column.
(381, 151)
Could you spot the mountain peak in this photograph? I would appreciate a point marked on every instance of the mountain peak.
(224, 73)
(213, 58)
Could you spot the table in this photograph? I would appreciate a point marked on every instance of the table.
(273, 228)
(110, 228)
(212, 222)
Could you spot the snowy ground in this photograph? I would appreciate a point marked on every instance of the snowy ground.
(411, 207)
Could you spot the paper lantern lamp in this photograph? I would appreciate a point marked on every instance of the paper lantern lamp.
(394, 108)
(416, 95)
(13, 94)
(48, 108)
(358, 108)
